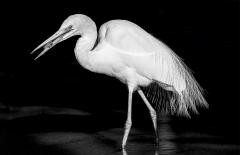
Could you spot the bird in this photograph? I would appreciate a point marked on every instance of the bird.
(124, 50)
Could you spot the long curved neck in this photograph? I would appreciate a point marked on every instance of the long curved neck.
(83, 48)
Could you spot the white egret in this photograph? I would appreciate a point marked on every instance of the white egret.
(136, 58)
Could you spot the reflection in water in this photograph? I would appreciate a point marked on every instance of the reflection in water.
(59, 134)
(165, 144)
(124, 152)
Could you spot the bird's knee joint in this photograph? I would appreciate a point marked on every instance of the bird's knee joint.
(153, 114)
(128, 124)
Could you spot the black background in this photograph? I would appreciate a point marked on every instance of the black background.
(204, 34)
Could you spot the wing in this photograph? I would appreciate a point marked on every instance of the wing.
(127, 37)
(138, 49)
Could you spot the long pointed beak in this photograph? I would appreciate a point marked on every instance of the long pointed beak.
(52, 41)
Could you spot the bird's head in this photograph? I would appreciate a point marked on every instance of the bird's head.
(77, 24)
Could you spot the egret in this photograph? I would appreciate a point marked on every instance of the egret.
(127, 52)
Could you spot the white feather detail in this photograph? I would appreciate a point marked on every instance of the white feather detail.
(171, 70)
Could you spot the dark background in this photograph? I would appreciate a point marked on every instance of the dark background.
(204, 34)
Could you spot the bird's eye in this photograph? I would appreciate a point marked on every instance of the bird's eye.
(69, 28)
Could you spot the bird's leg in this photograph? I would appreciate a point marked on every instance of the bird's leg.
(129, 118)
(151, 110)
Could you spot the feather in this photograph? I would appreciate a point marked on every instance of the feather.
(171, 71)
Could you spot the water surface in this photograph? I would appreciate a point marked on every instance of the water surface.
(42, 130)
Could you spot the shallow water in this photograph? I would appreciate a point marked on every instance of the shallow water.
(79, 133)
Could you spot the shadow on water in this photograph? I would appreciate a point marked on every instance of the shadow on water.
(77, 133)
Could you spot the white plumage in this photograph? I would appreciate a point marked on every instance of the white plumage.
(135, 57)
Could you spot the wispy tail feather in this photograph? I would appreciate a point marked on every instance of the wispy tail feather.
(192, 95)
(187, 94)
